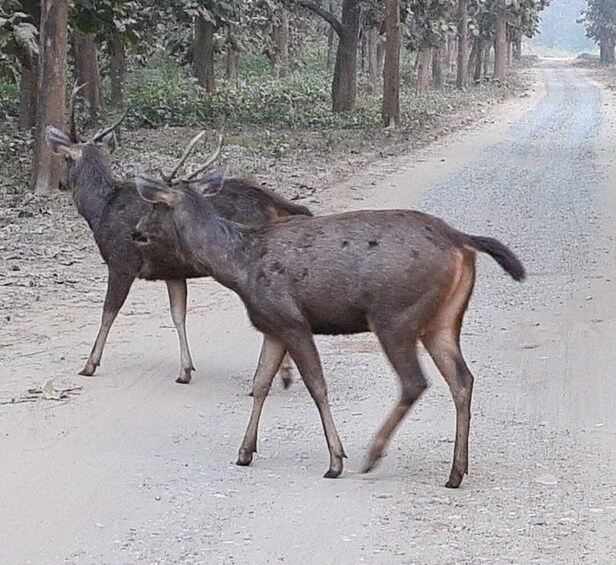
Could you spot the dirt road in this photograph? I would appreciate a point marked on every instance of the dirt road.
(138, 469)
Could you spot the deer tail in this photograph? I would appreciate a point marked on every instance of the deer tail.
(500, 253)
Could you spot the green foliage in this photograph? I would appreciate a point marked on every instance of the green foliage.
(9, 98)
(166, 95)
(430, 22)
(18, 40)
(599, 18)
(523, 17)
(108, 18)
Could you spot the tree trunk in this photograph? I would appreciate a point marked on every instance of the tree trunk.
(517, 49)
(474, 56)
(609, 51)
(203, 53)
(462, 44)
(233, 58)
(437, 68)
(29, 60)
(423, 74)
(88, 72)
(452, 54)
(344, 85)
(602, 52)
(331, 37)
(380, 54)
(117, 69)
(391, 72)
(52, 91)
(486, 59)
(500, 43)
(28, 90)
(479, 59)
(373, 67)
(281, 42)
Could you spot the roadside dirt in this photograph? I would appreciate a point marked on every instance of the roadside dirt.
(132, 467)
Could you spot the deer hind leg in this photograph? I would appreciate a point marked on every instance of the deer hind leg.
(401, 350)
(442, 340)
(118, 287)
(177, 302)
(272, 353)
(304, 352)
(285, 371)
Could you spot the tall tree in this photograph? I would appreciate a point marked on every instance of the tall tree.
(52, 86)
(391, 68)
(431, 23)
(19, 42)
(344, 84)
(87, 70)
(281, 40)
(203, 51)
(500, 41)
(599, 18)
(462, 69)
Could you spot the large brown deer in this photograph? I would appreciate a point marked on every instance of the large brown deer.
(112, 207)
(404, 275)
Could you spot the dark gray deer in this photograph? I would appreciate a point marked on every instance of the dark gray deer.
(112, 208)
(404, 275)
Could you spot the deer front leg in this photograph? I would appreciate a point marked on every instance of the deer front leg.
(118, 287)
(177, 302)
(306, 357)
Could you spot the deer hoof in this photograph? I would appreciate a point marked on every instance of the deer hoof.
(244, 457)
(184, 376)
(88, 370)
(332, 474)
(455, 479)
(371, 463)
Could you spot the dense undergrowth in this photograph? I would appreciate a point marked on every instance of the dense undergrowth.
(163, 94)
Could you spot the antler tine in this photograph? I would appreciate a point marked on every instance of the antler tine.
(168, 178)
(103, 132)
(71, 111)
(211, 159)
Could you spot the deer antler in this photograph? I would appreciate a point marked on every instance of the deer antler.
(168, 178)
(71, 112)
(103, 132)
(211, 159)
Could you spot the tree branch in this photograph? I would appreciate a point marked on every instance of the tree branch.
(322, 12)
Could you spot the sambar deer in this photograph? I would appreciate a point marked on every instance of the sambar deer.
(112, 207)
(404, 275)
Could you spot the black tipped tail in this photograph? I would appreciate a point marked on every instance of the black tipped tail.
(501, 254)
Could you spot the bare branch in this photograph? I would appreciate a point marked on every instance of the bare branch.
(211, 159)
(322, 12)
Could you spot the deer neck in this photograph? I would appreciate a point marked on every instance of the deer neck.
(92, 183)
(223, 249)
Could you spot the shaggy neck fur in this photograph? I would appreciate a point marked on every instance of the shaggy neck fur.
(93, 183)
(217, 245)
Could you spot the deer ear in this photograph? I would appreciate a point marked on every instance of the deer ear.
(211, 184)
(61, 144)
(152, 190)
